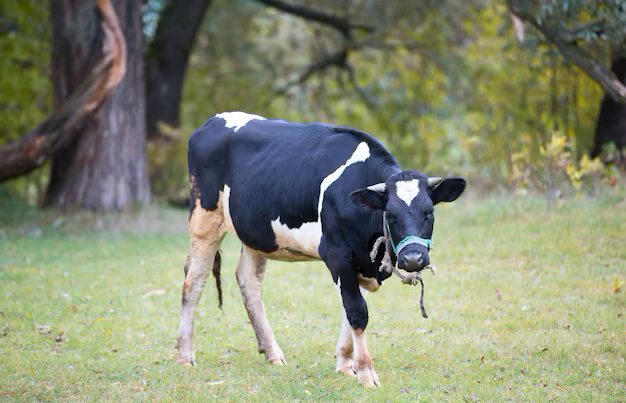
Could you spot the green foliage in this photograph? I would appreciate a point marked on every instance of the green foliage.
(597, 23)
(25, 88)
(523, 308)
(25, 98)
(558, 168)
(447, 94)
(167, 158)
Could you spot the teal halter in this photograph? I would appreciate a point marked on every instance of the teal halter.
(407, 240)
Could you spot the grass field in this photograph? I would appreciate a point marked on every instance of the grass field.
(523, 308)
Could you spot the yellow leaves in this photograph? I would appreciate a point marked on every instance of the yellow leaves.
(575, 176)
(586, 168)
(555, 163)
(591, 166)
(557, 147)
(617, 285)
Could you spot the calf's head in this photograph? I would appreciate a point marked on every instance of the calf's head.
(408, 200)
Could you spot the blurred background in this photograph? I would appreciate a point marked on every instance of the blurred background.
(97, 98)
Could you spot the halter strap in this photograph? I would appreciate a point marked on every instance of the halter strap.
(407, 240)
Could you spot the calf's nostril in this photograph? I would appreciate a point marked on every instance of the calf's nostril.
(413, 259)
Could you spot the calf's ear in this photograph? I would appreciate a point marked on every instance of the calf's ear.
(371, 198)
(447, 190)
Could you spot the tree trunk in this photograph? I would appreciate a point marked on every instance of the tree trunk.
(611, 125)
(105, 166)
(167, 60)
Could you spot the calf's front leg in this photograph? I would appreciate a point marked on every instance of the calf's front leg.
(355, 310)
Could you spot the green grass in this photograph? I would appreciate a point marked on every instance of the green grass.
(111, 285)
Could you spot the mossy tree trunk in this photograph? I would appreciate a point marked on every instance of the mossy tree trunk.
(104, 166)
(611, 124)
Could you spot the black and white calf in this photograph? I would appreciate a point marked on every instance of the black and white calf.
(303, 191)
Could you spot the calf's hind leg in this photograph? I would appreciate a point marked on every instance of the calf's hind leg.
(206, 231)
(250, 272)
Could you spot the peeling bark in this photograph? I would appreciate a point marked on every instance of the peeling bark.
(104, 166)
(34, 148)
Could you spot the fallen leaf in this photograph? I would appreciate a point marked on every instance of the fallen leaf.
(5, 329)
(601, 329)
(156, 291)
(213, 383)
(60, 337)
(43, 329)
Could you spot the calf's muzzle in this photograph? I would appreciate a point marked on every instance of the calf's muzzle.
(412, 259)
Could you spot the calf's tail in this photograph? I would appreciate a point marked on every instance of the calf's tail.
(217, 267)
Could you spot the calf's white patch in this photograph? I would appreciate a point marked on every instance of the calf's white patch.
(360, 154)
(407, 190)
(306, 238)
(237, 120)
(228, 220)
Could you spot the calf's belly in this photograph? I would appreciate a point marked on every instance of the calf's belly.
(300, 243)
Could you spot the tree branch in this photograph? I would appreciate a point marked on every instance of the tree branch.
(342, 25)
(167, 60)
(369, 102)
(34, 148)
(337, 59)
(572, 52)
(597, 27)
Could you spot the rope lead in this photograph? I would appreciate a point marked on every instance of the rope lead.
(386, 264)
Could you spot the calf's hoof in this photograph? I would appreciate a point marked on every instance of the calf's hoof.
(368, 377)
(274, 356)
(346, 369)
(185, 352)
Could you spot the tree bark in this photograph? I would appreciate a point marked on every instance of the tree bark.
(611, 125)
(105, 166)
(167, 60)
(34, 148)
(566, 44)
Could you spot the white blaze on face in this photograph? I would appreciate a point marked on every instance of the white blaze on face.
(407, 190)
(307, 237)
(237, 120)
